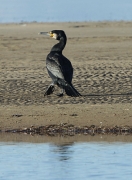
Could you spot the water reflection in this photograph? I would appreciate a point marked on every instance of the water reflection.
(64, 151)
(70, 160)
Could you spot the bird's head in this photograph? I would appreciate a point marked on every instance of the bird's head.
(56, 34)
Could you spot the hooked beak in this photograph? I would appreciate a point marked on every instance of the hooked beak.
(46, 34)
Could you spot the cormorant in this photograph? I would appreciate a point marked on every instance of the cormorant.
(59, 67)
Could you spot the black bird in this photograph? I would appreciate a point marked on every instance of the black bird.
(59, 67)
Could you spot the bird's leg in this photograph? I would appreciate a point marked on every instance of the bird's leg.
(50, 89)
(61, 93)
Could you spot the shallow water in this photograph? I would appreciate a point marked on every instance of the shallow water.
(89, 160)
(61, 11)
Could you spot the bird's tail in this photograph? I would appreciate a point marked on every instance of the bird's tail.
(71, 91)
(68, 87)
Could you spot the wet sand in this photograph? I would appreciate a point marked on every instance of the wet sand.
(101, 55)
(60, 140)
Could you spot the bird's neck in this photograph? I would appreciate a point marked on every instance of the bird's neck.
(59, 46)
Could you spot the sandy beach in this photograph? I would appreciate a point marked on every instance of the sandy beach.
(101, 54)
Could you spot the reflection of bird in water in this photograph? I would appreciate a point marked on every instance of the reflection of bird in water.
(59, 67)
(64, 151)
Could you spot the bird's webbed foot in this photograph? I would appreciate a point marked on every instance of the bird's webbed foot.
(61, 93)
(50, 90)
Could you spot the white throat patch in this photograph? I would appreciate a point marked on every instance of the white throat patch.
(54, 36)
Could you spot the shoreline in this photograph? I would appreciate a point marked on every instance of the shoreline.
(72, 22)
(106, 115)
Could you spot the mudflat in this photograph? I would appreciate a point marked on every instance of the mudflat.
(101, 54)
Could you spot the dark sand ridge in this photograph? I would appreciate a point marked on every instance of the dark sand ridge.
(101, 54)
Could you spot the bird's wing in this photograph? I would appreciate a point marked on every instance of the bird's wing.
(53, 65)
(67, 68)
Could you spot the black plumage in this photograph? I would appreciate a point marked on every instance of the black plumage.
(59, 67)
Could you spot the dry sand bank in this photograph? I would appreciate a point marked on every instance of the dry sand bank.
(101, 54)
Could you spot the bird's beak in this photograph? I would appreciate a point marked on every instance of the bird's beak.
(43, 33)
(46, 34)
